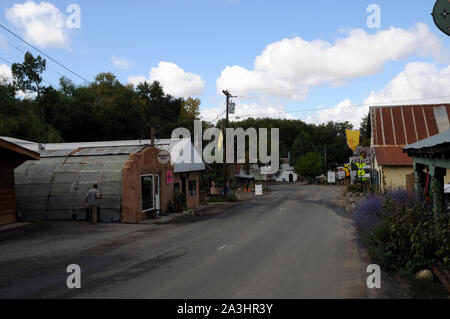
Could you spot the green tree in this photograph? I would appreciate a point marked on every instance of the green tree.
(190, 109)
(309, 165)
(366, 131)
(27, 75)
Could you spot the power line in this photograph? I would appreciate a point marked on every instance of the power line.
(24, 52)
(10, 64)
(349, 106)
(43, 53)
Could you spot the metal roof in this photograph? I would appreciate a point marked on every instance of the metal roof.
(394, 127)
(55, 187)
(434, 141)
(392, 156)
(93, 151)
(12, 144)
(178, 148)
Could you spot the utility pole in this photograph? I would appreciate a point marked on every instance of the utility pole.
(225, 166)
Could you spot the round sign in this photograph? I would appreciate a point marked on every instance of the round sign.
(441, 15)
(163, 157)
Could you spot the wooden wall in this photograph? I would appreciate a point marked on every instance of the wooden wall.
(7, 193)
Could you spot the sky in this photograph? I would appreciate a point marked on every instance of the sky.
(314, 61)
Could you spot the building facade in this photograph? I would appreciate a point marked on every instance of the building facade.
(394, 127)
(133, 182)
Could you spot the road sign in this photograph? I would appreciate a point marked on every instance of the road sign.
(331, 177)
(258, 190)
(441, 15)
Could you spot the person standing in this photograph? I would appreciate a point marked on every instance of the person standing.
(92, 197)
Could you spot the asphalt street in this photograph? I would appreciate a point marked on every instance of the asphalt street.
(293, 243)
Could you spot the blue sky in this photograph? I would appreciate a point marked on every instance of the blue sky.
(199, 39)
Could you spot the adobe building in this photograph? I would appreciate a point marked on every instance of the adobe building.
(11, 156)
(132, 180)
(394, 127)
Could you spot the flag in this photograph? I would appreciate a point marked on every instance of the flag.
(352, 139)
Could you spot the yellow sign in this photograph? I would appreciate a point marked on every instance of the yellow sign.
(347, 170)
(352, 139)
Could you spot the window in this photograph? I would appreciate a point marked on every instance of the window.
(192, 188)
(176, 188)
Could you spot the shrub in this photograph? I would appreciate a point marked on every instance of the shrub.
(400, 233)
(368, 214)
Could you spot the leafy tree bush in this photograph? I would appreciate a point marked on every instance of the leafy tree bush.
(402, 234)
(309, 165)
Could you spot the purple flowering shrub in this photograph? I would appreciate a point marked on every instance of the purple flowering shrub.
(369, 213)
(401, 233)
(401, 196)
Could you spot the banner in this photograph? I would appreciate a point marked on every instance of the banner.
(352, 139)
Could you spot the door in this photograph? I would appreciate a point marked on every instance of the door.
(157, 192)
(148, 202)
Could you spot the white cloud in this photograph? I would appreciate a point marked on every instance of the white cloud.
(288, 68)
(419, 83)
(122, 63)
(5, 73)
(344, 111)
(42, 24)
(174, 80)
(247, 110)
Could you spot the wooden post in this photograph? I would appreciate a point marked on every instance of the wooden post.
(437, 189)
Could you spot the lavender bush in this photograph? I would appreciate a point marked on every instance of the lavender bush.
(401, 196)
(369, 212)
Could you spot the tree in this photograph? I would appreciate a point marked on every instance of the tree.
(309, 165)
(27, 75)
(190, 109)
(366, 130)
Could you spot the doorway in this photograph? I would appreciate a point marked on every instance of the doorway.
(157, 193)
(147, 193)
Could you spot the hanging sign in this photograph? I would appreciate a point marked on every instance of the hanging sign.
(163, 157)
(169, 177)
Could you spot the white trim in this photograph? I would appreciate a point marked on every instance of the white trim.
(153, 191)
(404, 126)
(425, 120)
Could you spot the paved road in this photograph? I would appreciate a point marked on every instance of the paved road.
(289, 244)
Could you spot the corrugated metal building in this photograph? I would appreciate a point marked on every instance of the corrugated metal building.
(11, 156)
(394, 127)
(54, 187)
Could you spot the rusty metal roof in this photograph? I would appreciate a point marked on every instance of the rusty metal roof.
(392, 156)
(394, 127)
